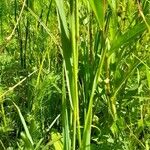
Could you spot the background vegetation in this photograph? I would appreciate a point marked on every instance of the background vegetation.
(75, 74)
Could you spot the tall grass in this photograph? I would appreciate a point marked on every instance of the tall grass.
(77, 72)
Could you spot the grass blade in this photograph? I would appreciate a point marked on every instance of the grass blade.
(98, 7)
(127, 37)
(24, 124)
(66, 45)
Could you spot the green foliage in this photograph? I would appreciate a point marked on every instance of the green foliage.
(75, 74)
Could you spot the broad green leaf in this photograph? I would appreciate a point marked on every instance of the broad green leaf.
(98, 7)
(60, 7)
(64, 32)
(66, 44)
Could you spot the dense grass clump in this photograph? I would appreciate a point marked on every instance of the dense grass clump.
(75, 75)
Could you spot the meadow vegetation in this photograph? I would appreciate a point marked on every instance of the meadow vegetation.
(74, 74)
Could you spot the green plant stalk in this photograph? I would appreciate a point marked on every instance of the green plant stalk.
(66, 137)
(77, 41)
(40, 68)
(73, 84)
(74, 73)
(88, 121)
(74, 44)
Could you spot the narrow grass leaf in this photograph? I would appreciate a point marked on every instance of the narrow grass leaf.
(66, 130)
(24, 124)
(125, 78)
(88, 122)
(127, 37)
(39, 144)
(148, 76)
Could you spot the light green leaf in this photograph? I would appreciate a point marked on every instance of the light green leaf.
(98, 7)
(57, 142)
